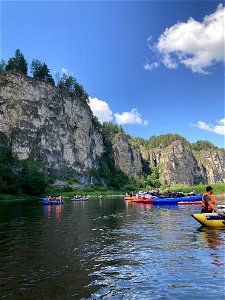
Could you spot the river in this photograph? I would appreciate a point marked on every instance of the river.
(108, 249)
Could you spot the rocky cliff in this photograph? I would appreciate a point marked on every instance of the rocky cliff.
(177, 163)
(126, 157)
(45, 123)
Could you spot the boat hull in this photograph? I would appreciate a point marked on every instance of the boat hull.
(143, 200)
(184, 200)
(129, 198)
(210, 220)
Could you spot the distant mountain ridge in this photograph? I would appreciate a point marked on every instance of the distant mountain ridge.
(47, 124)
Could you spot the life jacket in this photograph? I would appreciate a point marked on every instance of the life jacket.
(205, 204)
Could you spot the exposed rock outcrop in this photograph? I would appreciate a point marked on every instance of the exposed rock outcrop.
(44, 123)
(178, 164)
(126, 157)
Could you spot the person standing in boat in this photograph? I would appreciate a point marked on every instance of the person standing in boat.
(208, 201)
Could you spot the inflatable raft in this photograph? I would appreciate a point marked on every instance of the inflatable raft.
(210, 220)
(180, 200)
(53, 201)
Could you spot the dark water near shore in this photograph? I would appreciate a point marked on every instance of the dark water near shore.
(108, 249)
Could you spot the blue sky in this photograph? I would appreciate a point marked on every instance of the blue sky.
(145, 64)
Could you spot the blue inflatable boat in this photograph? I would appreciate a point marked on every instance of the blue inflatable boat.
(178, 200)
(53, 201)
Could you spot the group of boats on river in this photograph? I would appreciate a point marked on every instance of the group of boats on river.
(165, 198)
(174, 198)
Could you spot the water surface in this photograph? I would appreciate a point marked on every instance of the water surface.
(108, 249)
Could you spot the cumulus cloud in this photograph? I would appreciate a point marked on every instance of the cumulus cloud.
(197, 45)
(101, 110)
(132, 117)
(219, 129)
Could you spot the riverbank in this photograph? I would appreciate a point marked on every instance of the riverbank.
(94, 191)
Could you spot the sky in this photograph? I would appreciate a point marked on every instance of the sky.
(154, 67)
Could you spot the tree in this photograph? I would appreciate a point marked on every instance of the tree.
(17, 63)
(203, 145)
(80, 92)
(40, 71)
(153, 179)
(2, 66)
(67, 83)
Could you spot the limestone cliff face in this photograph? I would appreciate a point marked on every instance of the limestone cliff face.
(212, 164)
(126, 157)
(178, 164)
(44, 123)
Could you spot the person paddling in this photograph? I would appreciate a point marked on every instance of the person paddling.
(208, 201)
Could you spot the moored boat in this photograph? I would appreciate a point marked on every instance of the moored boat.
(184, 200)
(210, 220)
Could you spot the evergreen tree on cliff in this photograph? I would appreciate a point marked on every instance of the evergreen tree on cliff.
(40, 71)
(2, 66)
(17, 63)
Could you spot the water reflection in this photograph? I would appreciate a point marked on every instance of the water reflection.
(52, 211)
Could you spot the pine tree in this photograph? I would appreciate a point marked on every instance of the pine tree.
(17, 63)
(40, 71)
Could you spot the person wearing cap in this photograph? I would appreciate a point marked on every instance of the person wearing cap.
(208, 201)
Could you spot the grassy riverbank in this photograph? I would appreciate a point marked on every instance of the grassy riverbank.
(95, 191)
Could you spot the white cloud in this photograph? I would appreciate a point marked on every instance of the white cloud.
(101, 110)
(152, 66)
(197, 45)
(132, 117)
(219, 129)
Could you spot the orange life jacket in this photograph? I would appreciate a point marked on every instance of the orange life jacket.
(205, 204)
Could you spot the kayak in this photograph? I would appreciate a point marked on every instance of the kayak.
(184, 200)
(210, 220)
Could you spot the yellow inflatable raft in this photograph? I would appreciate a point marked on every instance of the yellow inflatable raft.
(210, 220)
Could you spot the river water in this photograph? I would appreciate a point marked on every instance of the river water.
(108, 249)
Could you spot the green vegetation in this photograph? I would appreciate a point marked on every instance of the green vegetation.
(109, 175)
(2, 66)
(109, 132)
(69, 84)
(40, 71)
(17, 63)
(165, 140)
(203, 145)
(19, 177)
